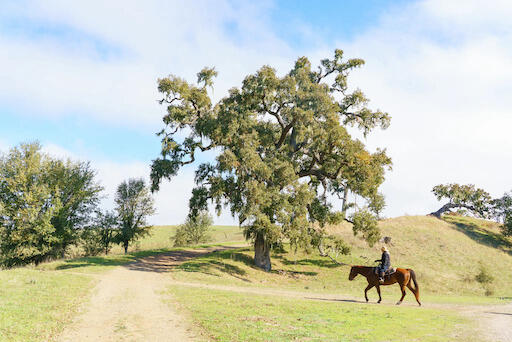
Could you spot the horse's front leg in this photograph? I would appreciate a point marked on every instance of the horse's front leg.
(366, 291)
(378, 291)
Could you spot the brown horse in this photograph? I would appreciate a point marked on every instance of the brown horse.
(402, 276)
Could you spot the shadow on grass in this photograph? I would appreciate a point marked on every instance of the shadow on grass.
(293, 274)
(92, 261)
(211, 265)
(310, 262)
(338, 300)
(499, 313)
(108, 260)
(481, 235)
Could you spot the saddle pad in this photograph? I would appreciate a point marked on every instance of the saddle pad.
(391, 270)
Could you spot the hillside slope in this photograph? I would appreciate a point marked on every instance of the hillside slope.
(445, 254)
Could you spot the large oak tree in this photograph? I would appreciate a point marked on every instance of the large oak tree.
(283, 150)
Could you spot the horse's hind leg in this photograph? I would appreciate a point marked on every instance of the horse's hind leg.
(416, 293)
(378, 291)
(402, 287)
(366, 291)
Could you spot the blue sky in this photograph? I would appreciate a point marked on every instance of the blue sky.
(80, 77)
(80, 132)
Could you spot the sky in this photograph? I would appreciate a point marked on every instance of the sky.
(81, 77)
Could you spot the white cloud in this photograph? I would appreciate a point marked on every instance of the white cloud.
(147, 40)
(448, 95)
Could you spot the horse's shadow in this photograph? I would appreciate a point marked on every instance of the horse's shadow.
(337, 300)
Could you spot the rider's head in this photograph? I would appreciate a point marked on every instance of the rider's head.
(384, 249)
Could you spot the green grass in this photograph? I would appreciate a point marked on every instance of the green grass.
(229, 316)
(159, 238)
(37, 302)
(36, 305)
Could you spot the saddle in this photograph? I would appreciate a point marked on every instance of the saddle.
(389, 271)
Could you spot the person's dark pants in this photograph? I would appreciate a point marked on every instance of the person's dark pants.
(382, 270)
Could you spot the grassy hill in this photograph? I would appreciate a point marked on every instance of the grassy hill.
(446, 255)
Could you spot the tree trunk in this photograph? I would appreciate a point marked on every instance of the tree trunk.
(125, 247)
(345, 201)
(442, 210)
(262, 252)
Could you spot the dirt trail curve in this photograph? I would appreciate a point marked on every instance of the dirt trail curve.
(127, 306)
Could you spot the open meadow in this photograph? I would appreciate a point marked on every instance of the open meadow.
(223, 297)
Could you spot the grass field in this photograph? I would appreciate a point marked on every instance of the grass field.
(35, 305)
(37, 302)
(160, 238)
(228, 316)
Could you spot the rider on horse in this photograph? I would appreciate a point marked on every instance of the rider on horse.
(385, 263)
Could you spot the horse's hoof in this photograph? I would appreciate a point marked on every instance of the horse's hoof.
(398, 303)
(378, 302)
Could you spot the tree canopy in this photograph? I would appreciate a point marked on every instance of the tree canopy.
(283, 150)
(43, 204)
(502, 211)
(468, 197)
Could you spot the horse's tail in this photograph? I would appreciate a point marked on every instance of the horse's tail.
(413, 277)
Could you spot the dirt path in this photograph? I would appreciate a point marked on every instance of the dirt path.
(126, 305)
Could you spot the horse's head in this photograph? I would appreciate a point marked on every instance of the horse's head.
(353, 273)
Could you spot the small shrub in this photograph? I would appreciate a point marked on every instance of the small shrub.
(483, 276)
(193, 231)
(489, 291)
(90, 240)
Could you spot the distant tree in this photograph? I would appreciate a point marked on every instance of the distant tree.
(27, 206)
(194, 230)
(502, 211)
(474, 200)
(283, 146)
(133, 205)
(101, 235)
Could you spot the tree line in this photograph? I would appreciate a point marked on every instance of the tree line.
(49, 205)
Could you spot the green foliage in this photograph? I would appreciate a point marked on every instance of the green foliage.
(133, 205)
(475, 200)
(44, 203)
(365, 223)
(502, 211)
(194, 230)
(79, 196)
(100, 236)
(282, 144)
(28, 205)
